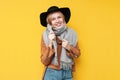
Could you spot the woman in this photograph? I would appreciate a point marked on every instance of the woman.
(59, 44)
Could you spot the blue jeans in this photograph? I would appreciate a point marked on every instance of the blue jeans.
(52, 74)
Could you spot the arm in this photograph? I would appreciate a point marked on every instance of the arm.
(46, 53)
(75, 50)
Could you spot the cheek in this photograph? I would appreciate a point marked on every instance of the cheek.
(52, 22)
(61, 20)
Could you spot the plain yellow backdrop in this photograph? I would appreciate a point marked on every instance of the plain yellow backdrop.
(97, 23)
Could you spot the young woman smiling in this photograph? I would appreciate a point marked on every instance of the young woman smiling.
(59, 44)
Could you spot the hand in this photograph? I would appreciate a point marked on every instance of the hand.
(51, 36)
(65, 44)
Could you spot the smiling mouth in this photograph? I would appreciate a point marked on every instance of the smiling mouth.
(59, 24)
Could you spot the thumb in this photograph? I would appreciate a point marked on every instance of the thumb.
(64, 40)
(51, 32)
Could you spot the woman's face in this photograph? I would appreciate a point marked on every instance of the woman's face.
(57, 20)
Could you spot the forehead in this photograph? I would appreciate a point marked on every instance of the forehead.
(57, 13)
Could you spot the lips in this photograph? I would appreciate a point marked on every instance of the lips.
(59, 24)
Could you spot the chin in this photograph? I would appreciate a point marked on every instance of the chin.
(59, 26)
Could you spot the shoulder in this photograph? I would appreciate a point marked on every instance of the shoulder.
(72, 31)
(45, 32)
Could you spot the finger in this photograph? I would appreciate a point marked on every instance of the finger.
(63, 45)
(63, 40)
(51, 32)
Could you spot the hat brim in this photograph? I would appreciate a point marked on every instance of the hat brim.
(65, 11)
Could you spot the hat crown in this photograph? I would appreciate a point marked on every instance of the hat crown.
(53, 8)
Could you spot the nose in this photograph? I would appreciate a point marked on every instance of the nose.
(57, 20)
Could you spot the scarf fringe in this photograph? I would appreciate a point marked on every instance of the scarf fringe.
(66, 66)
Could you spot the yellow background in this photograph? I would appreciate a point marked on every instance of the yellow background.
(97, 23)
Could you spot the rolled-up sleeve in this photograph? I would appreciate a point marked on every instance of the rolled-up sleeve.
(74, 52)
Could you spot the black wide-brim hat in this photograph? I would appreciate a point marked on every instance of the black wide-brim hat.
(65, 11)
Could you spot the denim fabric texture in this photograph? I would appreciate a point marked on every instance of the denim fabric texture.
(52, 74)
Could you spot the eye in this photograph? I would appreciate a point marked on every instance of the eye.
(53, 19)
(59, 17)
